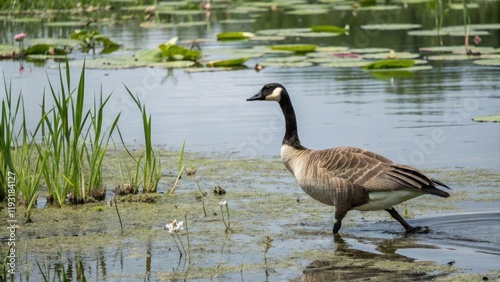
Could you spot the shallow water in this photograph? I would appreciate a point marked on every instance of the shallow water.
(424, 121)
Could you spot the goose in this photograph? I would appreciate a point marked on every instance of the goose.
(348, 178)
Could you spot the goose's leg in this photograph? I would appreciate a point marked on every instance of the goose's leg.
(336, 226)
(403, 222)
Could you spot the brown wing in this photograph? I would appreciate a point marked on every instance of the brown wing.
(371, 171)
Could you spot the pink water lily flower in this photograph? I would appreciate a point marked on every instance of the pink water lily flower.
(20, 36)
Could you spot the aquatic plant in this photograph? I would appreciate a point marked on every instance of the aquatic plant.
(89, 40)
(267, 245)
(174, 228)
(20, 38)
(173, 52)
(115, 203)
(180, 168)
(8, 119)
(202, 198)
(71, 136)
(227, 223)
(148, 162)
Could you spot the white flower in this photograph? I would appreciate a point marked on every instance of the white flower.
(175, 226)
(223, 203)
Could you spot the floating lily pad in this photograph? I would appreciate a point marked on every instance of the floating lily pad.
(283, 31)
(172, 25)
(406, 69)
(44, 49)
(45, 57)
(234, 35)
(370, 50)
(62, 42)
(287, 64)
(346, 64)
(390, 64)
(331, 59)
(290, 59)
(193, 70)
(485, 26)
(268, 38)
(173, 64)
(447, 32)
(112, 62)
(391, 26)
(461, 6)
(227, 63)
(328, 28)
(308, 12)
(391, 55)
(25, 20)
(367, 8)
(451, 57)
(490, 118)
(6, 51)
(450, 49)
(237, 21)
(66, 24)
(297, 48)
(488, 62)
(331, 49)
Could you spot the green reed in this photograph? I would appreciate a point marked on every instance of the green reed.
(8, 118)
(180, 168)
(149, 162)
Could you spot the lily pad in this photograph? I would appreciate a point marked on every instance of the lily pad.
(450, 49)
(287, 64)
(490, 118)
(407, 69)
(227, 63)
(346, 64)
(489, 62)
(452, 57)
(66, 24)
(390, 64)
(234, 35)
(6, 51)
(173, 64)
(370, 50)
(297, 48)
(112, 62)
(44, 49)
(367, 8)
(329, 28)
(176, 53)
(282, 31)
(391, 26)
(461, 6)
(391, 55)
(61, 42)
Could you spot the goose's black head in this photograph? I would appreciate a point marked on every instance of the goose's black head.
(270, 92)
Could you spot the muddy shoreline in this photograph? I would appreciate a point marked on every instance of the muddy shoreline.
(265, 202)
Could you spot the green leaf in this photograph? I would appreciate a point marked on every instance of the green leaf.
(489, 118)
(390, 64)
(328, 28)
(297, 48)
(234, 35)
(176, 52)
(44, 49)
(227, 63)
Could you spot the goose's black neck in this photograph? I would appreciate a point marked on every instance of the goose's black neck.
(291, 135)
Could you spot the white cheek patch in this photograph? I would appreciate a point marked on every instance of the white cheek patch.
(276, 95)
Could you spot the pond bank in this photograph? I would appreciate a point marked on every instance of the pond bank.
(266, 206)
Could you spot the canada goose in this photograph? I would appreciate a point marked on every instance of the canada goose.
(346, 177)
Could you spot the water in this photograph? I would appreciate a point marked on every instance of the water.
(423, 121)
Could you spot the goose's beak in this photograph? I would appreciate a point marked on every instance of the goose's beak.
(257, 96)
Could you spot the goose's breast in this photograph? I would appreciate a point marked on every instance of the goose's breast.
(316, 186)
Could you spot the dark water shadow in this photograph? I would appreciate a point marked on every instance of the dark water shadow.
(469, 241)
